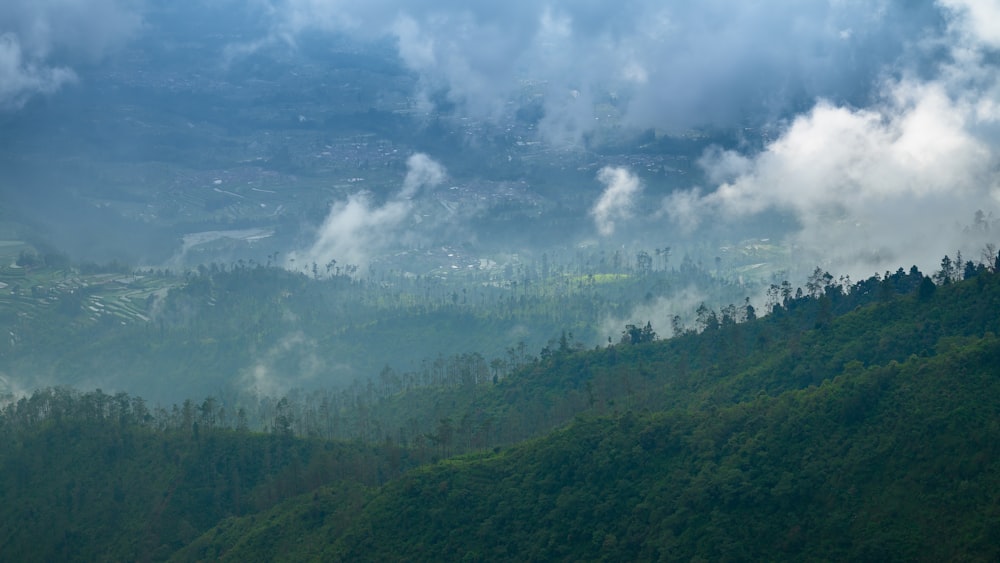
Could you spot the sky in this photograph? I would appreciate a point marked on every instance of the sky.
(885, 112)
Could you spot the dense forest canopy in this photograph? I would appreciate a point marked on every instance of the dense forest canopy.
(798, 423)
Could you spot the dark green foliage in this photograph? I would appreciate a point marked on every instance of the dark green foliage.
(638, 335)
(298, 529)
(801, 343)
(98, 477)
(893, 463)
(869, 437)
(927, 289)
(846, 425)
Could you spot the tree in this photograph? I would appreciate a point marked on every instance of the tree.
(944, 276)
(497, 367)
(749, 313)
(27, 259)
(664, 255)
(818, 282)
(631, 335)
(972, 270)
(283, 418)
(786, 292)
(389, 381)
(443, 436)
(927, 289)
(643, 262)
(677, 325)
(648, 334)
(706, 318)
(638, 335)
(991, 258)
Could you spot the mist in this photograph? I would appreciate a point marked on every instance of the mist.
(357, 228)
(290, 363)
(681, 304)
(267, 267)
(617, 199)
(710, 63)
(473, 162)
(41, 41)
(884, 113)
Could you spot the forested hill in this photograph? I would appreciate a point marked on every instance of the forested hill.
(869, 436)
(854, 423)
(729, 357)
(891, 463)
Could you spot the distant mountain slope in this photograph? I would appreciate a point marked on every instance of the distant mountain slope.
(248, 328)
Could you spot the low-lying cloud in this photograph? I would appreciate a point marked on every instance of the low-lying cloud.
(893, 183)
(616, 201)
(888, 109)
(662, 65)
(21, 79)
(659, 313)
(357, 229)
(40, 40)
(291, 362)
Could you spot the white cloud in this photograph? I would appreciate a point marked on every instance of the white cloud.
(615, 203)
(978, 20)
(678, 65)
(900, 147)
(875, 187)
(357, 228)
(685, 208)
(41, 39)
(658, 313)
(421, 170)
(21, 79)
(291, 362)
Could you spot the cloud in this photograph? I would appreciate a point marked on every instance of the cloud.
(675, 65)
(615, 203)
(977, 20)
(659, 313)
(11, 390)
(357, 228)
(40, 40)
(685, 208)
(870, 188)
(898, 150)
(291, 362)
(421, 171)
(21, 79)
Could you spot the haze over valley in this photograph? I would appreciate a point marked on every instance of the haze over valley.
(391, 224)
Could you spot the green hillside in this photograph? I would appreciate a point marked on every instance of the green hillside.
(803, 342)
(872, 437)
(850, 423)
(899, 462)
